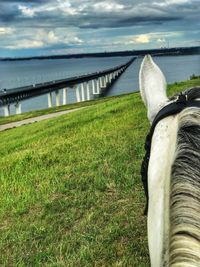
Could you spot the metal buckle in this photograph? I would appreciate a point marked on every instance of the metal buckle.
(182, 98)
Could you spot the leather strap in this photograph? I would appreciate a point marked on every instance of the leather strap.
(183, 101)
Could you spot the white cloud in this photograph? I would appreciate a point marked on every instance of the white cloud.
(143, 38)
(65, 6)
(59, 5)
(26, 11)
(161, 40)
(175, 2)
(171, 2)
(157, 35)
(108, 6)
(39, 38)
(6, 30)
(26, 44)
(51, 37)
(146, 38)
(136, 39)
(75, 40)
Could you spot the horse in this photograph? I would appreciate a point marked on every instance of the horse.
(172, 166)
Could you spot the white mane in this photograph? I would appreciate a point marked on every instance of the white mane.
(173, 177)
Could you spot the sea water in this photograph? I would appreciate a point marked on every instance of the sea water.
(20, 73)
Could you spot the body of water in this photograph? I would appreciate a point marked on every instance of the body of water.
(20, 73)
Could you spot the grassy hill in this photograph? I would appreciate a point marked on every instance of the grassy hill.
(70, 189)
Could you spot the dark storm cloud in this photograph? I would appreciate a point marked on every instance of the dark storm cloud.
(8, 13)
(86, 14)
(94, 25)
(24, 1)
(126, 22)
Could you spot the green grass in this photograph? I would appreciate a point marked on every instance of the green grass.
(70, 189)
(31, 114)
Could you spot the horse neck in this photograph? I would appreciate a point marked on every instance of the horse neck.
(161, 160)
(184, 238)
(174, 191)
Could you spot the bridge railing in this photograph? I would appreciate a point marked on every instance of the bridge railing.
(97, 83)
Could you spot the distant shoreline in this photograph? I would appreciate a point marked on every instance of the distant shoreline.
(179, 51)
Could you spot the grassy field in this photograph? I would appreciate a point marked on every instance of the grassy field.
(31, 114)
(70, 189)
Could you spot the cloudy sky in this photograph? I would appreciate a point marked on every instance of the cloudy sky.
(44, 27)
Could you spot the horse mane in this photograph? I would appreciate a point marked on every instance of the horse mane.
(184, 237)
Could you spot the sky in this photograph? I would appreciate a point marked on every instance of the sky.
(51, 27)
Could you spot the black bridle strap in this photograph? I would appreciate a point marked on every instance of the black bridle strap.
(183, 101)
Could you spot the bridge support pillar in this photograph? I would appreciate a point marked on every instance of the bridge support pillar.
(82, 92)
(101, 82)
(104, 81)
(107, 78)
(6, 110)
(50, 102)
(64, 96)
(78, 97)
(110, 77)
(57, 92)
(18, 108)
(97, 87)
(88, 91)
(96, 93)
(93, 87)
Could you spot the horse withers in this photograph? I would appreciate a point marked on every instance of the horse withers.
(172, 166)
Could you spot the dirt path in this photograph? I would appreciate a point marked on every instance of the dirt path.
(35, 119)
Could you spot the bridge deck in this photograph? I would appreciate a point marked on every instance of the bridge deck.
(100, 83)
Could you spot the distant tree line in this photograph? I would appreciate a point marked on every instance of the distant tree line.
(155, 52)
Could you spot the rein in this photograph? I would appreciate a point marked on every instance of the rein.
(184, 100)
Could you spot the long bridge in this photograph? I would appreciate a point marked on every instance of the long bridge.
(98, 83)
